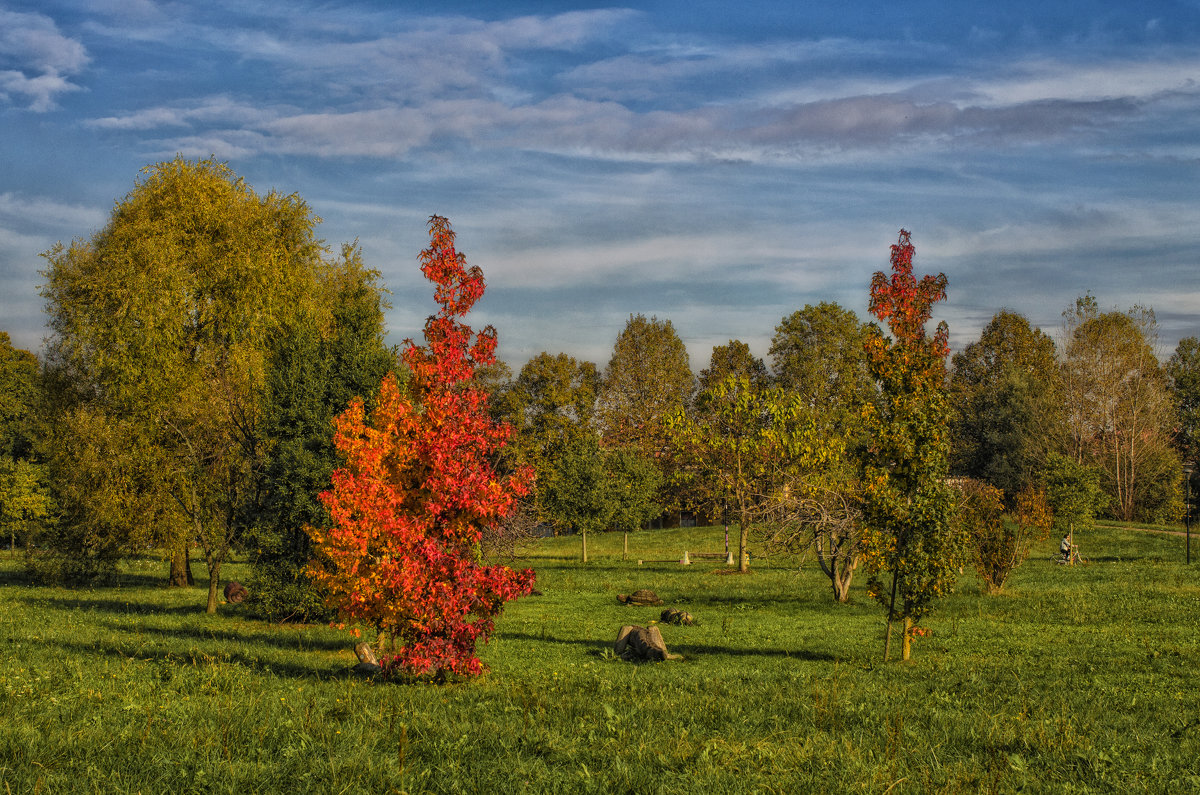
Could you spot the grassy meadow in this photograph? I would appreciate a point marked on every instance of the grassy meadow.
(1075, 679)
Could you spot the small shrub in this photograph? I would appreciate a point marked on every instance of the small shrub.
(1000, 542)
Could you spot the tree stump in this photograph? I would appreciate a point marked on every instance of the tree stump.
(235, 592)
(367, 662)
(636, 643)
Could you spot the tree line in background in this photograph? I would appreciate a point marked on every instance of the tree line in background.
(204, 341)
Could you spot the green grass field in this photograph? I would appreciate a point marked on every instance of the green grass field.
(1074, 680)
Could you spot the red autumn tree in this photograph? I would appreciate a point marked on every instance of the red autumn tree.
(907, 507)
(418, 488)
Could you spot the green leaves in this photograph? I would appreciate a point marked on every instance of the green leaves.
(907, 505)
(593, 489)
(162, 326)
(647, 377)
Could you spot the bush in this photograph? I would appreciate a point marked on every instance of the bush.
(280, 592)
(1000, 542)
(1158, 496)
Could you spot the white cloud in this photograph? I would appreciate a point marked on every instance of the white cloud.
(376, 133)
(1097, 227)
(649, 73)
(381, 87)
(222, 110)
(1064, 81)
(41, 212)
(39, 59)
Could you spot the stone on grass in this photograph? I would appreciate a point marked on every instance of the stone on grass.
(235, 592)
(642, 596)
(673, 615)
(636, 643)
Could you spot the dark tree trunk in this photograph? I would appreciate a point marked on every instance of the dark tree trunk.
(214, 579)
(181, 567)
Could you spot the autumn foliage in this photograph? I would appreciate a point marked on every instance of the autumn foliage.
(913, 550)
(417, 490)
(999, 542)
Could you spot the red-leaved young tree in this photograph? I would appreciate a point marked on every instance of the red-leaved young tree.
(418, 488)
(913, 549)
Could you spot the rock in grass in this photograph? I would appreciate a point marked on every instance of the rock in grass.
(636, 643)
(673, 615)
(235, 592)
(642, 596)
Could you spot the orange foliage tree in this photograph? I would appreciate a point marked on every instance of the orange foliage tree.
(1000, 542)
(913, 548)
(419, 487)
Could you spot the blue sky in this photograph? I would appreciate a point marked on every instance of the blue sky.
(718, 164)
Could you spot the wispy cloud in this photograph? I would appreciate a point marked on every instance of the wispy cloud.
(609, 161)
(37, 61)
(462, 81)
(40, 212)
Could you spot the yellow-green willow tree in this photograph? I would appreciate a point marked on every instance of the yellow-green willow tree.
(161, 322)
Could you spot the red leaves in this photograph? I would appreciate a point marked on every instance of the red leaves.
(417, 489)
(907, 304)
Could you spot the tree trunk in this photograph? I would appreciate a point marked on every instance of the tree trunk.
(584, 535)
(743, 545)
(181, 567)
(625, 547)
(891, 616)
(214, 579)
(906, 645)
(841, 585)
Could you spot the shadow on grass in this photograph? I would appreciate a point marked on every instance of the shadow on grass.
(195, 656)
(597, 646)
(290, 642)
(742, 601)
(700, 650)
(17, 577)
(107, 604)
(16, 573)
(603, 648)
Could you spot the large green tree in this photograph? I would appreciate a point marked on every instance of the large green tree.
(818, 354)
(162, 324)
(726, 448)
(24, 500)
(734, 358)
(633, 486)
(18, 399)
(1183, 368)
(647, 378)
(1120, 412)
(589, 488)
(550, 406)
(316, 367)
(1006, 398)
